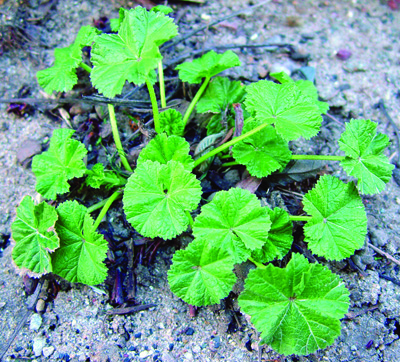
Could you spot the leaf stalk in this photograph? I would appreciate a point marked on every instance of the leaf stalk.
(162, 84)
(117, 140)
(195, 100)
(86, 67)
(229, 144)
(153, 99)
(107, 205)
(300, 218)
(318, 157)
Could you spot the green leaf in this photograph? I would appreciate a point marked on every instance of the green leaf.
(132, 54)
(171, 122)
(98, 177)
(306, 87)
(163, 149)
(220, 94)
(62, 162)
(365, 158)
(157, 196)
(115, 24)
(262, 153)
(297, 309)
(201, 275)
(280, 237)
(215, 124)
(82, 250)
(62, 76)
(234, 221)
(282, 77)
(34, 235)
(162, 9)
(339, 223)
(283, 105)
(209, 65)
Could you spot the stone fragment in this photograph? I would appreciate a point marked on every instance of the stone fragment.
(36, 322)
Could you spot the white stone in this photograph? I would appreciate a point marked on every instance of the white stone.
(36, 322)
(38, 345)
(48, 351)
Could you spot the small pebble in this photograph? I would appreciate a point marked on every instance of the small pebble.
(189, 331)
(48, 351)
(216, 342)
(145, 354)
(36, 322)
(138, 335)
(343, 54)
(170, 347)
(38, 345)
(40, 305)
(196, 349)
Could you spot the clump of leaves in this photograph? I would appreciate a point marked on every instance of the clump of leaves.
(296, 308)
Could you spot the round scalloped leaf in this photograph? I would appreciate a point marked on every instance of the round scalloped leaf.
(62, 162)
(297, 309)
(163, 148)
(82, 250)
(62, 76)
(280, 237)
(34, 235)
(157, 196)
(235, 221)
(283, 105)
(220, 94)
(131, 54)
(339, 223)
(365, 159)
(200, 274)
(209, 65)
(171, 122)
(262, 153)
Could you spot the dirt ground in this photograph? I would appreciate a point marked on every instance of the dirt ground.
(75, 326)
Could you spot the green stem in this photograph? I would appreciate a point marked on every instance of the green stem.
(85, 66)
(258, 265)
(162, 84)
(225, 156)
(228, 164)
(300, 218)
(315, 157)
(191, 221)
(153, 99)
(117, 140)
(229, 144)
(97, 206)
(195, 100)
(105, 208)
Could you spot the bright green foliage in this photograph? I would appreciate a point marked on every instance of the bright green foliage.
(339, 223)
(280, 237)
(132, 54)
(262, 153)
(297, 309)
(156, 197)
(221, 93)
(234, 221)
(200, 274)
(62, 75)
(162, 9)
(365, 158)
(82, 250)
(209, 65)
(98, 177)
(116, 23)
(306, 87)
(283, 105)
(34, 235)
(62, 162)
(163, 149)
(171, 122)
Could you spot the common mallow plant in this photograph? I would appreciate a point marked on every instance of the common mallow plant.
(297, 309)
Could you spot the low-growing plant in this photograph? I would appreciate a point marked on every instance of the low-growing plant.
(297, 309)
